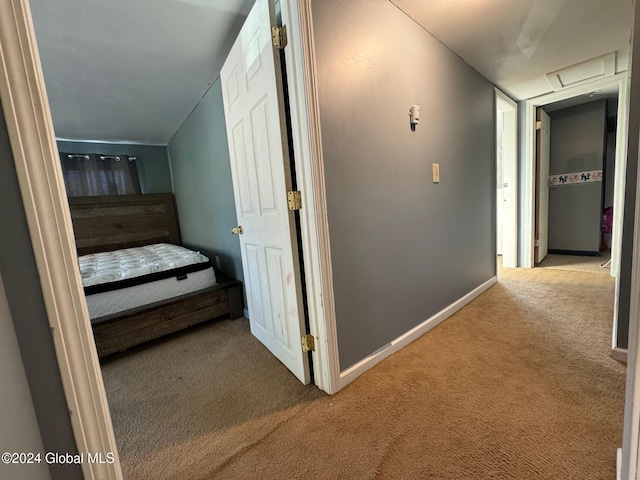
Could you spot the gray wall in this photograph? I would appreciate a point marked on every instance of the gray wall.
(18, 423)
(202, 183)
(402, 247)
(577, 144)
(626, 254)
(152, 161)
(32, 331)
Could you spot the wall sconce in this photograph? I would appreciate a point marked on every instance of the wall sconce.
(414, 116)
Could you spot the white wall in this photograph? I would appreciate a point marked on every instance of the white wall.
(18, 427)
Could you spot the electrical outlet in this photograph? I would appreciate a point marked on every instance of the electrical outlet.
(216, 259)
(436, 172)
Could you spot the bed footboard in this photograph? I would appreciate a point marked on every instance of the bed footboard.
(116, 333)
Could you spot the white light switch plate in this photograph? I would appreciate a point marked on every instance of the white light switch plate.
(436, 172)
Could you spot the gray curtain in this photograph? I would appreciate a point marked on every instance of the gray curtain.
(95, 174)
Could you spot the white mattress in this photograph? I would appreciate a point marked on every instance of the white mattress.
(134, 265)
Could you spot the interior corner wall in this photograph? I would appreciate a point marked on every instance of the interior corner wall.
(152, 160)
(33, 334)
(403, 248)
(202, 183)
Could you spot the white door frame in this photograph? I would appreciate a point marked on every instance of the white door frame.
(621, 81)
(30, 128)
(630, 453)
(510, 175)
(307, 147)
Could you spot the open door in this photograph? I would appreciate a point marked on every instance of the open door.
(507, 181)
(256, 132)
(543, 152)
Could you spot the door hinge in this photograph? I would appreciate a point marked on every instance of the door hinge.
(537, 242)
(279, 36)
(294, 200)
(538, 124)
(308, 343)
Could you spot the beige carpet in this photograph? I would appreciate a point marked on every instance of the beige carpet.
(578, 263)
(517, 385)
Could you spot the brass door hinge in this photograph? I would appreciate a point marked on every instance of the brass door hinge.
(294, 200)
(308, 343)
(538, 124)
(279, 36)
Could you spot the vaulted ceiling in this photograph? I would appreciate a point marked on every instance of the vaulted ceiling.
(133, 70)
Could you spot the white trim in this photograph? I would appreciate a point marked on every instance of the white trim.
(619, 354)
(510, 248)
(26, 109)
(506, 98)
(631, 424)
(353, 372)
(619, 464)
(307, 145)
(112, 142)
(620, 80)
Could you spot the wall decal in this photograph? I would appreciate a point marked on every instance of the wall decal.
(587, 176)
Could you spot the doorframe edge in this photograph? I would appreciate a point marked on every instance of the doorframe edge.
(31, 134)
(308, 157)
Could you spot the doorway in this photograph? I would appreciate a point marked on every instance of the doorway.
(618, 84)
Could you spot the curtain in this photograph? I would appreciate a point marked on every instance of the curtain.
(95, 174)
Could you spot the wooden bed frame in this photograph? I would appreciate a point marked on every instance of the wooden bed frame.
(110, 223)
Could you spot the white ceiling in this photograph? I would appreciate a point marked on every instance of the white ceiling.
(514, 43)
(133, 70)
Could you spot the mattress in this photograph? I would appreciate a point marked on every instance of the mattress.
(123, 279)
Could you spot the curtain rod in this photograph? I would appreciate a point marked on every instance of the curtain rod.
(102, 157)
(113, 157)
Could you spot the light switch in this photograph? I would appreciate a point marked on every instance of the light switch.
(436, 172)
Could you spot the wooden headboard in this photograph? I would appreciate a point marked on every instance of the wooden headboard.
(112, 222)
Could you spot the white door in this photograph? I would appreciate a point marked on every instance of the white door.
(507, 201)
(254, 114)
(542, 181)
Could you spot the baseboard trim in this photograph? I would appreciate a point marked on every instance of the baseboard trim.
(619, 354)
(619, 464)
(353, 372)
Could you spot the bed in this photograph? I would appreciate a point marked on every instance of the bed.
(108, 232)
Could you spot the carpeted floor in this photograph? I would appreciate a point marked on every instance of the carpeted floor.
(517, 385)
(579, 263)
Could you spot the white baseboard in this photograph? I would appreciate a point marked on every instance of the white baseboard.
(619, 464)
(619, 354)
(353, 372)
